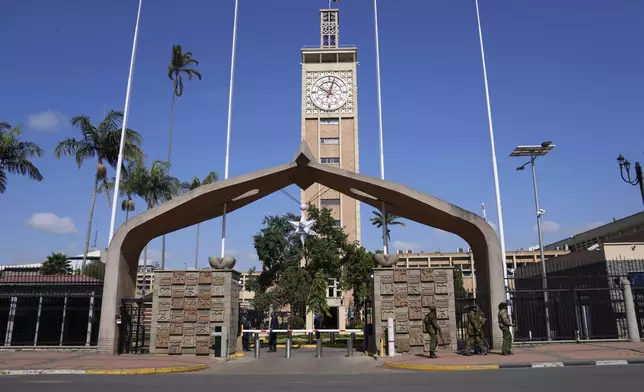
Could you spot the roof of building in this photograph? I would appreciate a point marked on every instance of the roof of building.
(46, 279)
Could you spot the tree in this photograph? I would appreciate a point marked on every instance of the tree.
(459, 289)
(94, 269)
(15, 154)
(357, 267)
(391, 220)
(56, 264)
(155, 186)
(126, 188)
(101, 142)
(196, 183)
(180, 66)
(317, 295)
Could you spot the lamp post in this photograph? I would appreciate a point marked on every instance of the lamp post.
(533, 152)
(639, 178)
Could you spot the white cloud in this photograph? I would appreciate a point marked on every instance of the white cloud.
(48, 121)
(548, 227)
(46, 221)
(403, 245)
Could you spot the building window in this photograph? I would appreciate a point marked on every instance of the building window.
(335, 160)
(329, 140)
(329, 121)
(329, 202)
(467, 274)
(337, 223)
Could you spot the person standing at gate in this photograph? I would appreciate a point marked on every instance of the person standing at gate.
(505, 324)
(430, 322)
(272, 336)
(245, 335)
(474, 333)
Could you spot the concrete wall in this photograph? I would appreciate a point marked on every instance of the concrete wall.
(186, 307)
(405, 294)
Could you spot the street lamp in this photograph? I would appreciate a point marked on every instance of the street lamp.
(533, 152)
(639, 179)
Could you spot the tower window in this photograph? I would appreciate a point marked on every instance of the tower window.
(337, 223)
(335, 160)
(329, 202)
(329, 140)
(330, 121)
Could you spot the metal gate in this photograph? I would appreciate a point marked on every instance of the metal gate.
(134, 334)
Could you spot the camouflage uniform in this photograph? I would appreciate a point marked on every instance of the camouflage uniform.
(430, 322)
(505, 324)
(474, 334)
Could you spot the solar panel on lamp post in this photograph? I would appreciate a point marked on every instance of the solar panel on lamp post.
(533, 152)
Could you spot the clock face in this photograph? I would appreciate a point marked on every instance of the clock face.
(329, 93)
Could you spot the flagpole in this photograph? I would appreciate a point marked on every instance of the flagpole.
(228, 125)
(385, 242)
(497, 189)
(126, 112)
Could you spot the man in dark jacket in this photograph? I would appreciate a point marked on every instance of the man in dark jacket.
(272, 336)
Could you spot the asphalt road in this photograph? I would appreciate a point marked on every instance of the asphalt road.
(586, 379)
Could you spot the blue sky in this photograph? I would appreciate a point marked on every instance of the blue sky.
(568, 71)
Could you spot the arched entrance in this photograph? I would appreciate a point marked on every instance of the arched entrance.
(206, 202)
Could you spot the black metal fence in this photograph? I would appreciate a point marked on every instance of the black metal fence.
(55, 307)
(134, 326)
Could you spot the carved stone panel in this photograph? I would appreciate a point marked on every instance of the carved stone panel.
(427, 289)
(440, 288)
(191, 291)
(176, 328)
(413, 289)
(427, 300)
(387, 304)
(203, 315)
(427, 275)
(203, 328)
(389, 278)
(386, 288)
(447, 335)
(217, 291)
(416, 337)
(178, 303)
(165, 290)
(387, 313)
(400, 300)
(217, 315)
(402, 343)
(415, 309)
(205, 277)
(163, 329)
(163, 315)
(402, 326)
(176, 316)
(165, 280)
(442, 302)
(174, 348)
(442, 313)
(203, 303)
(164, 303)
(162, 340)
(190, 315)
(441, 276)
(203, 345)
(192, 279)
(190, 304)
(178, 292)
(218, 280)
(400, 275)
(189, 341)
(178, 277)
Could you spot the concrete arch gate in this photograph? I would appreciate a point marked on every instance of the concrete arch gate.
(206, 202)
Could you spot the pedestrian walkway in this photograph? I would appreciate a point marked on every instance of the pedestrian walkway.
(527, 356)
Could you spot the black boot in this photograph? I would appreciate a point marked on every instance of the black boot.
(432, 354)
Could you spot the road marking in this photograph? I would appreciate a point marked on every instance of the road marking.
(47, 382)
(547, 364)
(611, 362)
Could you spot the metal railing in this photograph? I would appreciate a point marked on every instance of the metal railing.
(256, 333)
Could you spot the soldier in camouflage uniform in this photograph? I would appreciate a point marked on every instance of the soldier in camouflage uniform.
(474, 333)
(505, 324)
(430, 323)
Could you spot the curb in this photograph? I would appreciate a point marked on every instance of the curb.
(159, 370)
(604, 362)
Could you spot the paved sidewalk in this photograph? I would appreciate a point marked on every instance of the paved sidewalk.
(101, 363)
(527, 356)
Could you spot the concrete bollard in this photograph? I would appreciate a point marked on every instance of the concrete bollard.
(258, 344)
(391, 343)
(629, 309)
(288, 345)
(318, 348)
(350, 345)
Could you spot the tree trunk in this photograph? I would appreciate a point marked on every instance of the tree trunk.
(169, 161)
(197, 248)
(89, 222)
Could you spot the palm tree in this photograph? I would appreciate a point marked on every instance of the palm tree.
(15, 154)
(155, 186)
(56, 264)
(196, 183)
(391, 220)
(126, 188)
(179, 67)
(102, 143)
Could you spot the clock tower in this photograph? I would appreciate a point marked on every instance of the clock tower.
(330, 117)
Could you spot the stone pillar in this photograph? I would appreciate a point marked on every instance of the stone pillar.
(629, 309)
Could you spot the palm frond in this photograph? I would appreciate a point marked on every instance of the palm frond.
(4, 125)
(71, 147)
(23, 167)
(85, 125)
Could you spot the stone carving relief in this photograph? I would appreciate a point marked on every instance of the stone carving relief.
(427, 275)
(190, 304)
(400, 300)
(165, 291)
(389, 278)
(442, 302)
(189, 341)
(415, 309)
(165, 280)
(205, 277)
(178, 277)
(202, 328)
(174, 346)
(441, 288)
(191, 291)
(402, 343)
(441, 276)
(413, 276)
(387, 304)
(192, 278)
(387, 314)
(178, 303)
(203, 345)
(442, 313)
(176, 328)
(218, 280)
(164, 304)
(163, 328)
(217, 291)
(402, 326)
(413, 288)
(386, 288)
(427, 300)
(178, 292)
(163, 315)
(216, 315)
(203, 315)
(416, 337)
(162, 340)
(190, 315)
(400, 275)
